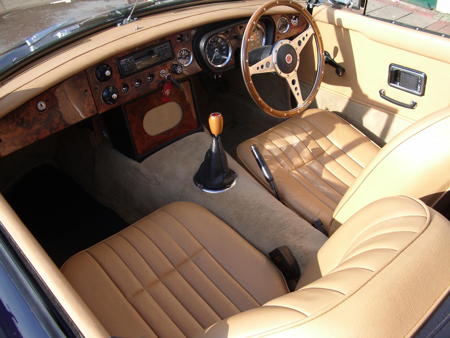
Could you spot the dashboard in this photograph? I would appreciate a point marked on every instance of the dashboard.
(140, 74)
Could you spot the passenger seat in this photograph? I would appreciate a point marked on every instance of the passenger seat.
(180, 270)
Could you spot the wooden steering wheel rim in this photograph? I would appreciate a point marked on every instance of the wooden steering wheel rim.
(246, 67)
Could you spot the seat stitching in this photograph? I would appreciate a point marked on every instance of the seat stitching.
(280, 327)
(348, 154)
(380, 234)
(361, 233)
(126, 298)
(313, 157)
(324, 180)
(325, 152)
(366, 251)
(287, 307)
(198, 267)
(144, 288)
(293, 147)
(175, 269)
(212, 256)
(160, 278)
(346, 269)
(322, 288)
(276, 157)
(309, 190)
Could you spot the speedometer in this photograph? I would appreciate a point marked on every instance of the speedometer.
(218, 51)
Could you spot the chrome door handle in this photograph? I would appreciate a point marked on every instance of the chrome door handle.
(411, 105)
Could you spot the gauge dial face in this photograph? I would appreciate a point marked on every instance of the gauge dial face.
(218, 51)
(294, 20)
(258, 38)
(283, 25)
(184, 57)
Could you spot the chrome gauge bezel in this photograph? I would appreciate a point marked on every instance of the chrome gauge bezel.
(230, 51)
(191, 57)
(263, 29)
(288, 25)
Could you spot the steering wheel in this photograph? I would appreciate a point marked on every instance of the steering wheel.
(283, 58)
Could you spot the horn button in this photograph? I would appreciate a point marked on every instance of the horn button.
(286, 59)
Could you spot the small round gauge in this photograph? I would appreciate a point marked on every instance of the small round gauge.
(184, 57)
(294, 20)
(283, 25)
(218, 51)
(258, 38)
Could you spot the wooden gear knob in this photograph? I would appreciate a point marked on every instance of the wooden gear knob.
(216, 123)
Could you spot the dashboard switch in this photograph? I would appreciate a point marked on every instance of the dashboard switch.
(110, 95)
(176, 68)
(103, 72)
(138, 83)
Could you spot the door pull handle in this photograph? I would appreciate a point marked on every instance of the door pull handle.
(411, 105)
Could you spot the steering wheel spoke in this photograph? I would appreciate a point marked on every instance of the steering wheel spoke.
(284, 60)
(302, 39)
(294, 84)
(264, 66)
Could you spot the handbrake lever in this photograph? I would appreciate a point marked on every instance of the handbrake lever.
(265, 169)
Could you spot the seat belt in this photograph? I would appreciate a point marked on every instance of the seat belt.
(285, 261)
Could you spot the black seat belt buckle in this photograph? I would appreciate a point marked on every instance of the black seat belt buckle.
(285, 261)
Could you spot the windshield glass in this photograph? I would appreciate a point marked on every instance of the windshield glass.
(29, 28)
(22, 19)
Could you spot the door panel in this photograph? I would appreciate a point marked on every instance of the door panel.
(366, 47)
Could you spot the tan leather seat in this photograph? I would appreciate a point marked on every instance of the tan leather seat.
(325, 169)
(173, 273)
(380, 275)
(180, 270)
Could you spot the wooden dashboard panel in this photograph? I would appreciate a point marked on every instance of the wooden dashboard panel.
(65, 104)
(134, 113)
(177, 41)
(293, 30)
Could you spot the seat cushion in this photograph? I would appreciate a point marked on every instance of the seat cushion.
(314, 158)
(380, 274)
(173, 273)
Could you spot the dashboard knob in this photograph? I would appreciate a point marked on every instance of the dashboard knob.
(176, 68)
(103, 72)
(110, 95)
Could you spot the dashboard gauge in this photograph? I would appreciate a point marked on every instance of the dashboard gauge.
(283, 25)
(258, 38)
(294, 20)
(218, 51)
(184, 57)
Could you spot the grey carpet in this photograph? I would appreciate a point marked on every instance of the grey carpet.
(135, 189)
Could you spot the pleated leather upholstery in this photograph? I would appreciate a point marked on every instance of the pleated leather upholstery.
(173, 273)
(379, 275)
(314, 159)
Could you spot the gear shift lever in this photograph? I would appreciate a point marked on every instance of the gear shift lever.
(214, 175)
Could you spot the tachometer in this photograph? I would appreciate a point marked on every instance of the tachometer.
(258, 38)
(283, 25)
(184, 57)
(218, 51)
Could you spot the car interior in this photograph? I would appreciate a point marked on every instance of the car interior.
(156, 176)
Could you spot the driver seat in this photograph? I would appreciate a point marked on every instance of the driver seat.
(325, 169)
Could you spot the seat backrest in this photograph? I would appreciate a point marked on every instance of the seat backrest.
(415, 163)
(380, 274)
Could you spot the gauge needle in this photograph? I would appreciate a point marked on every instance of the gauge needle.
(216, 52)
